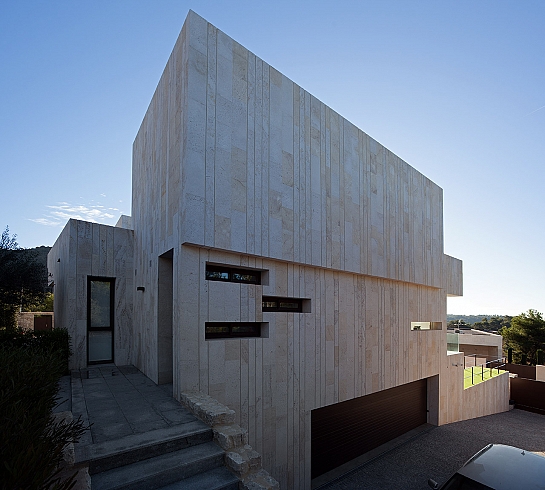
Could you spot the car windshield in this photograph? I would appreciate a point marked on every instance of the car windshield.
(460, 482)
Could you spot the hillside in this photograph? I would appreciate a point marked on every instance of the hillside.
(471, 319)
(41, 254)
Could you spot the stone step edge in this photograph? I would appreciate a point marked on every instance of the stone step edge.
(223, 479)
(240, 458)
(163, 469)
(137, 442)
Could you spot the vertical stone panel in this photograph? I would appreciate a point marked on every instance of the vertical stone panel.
(236, 159)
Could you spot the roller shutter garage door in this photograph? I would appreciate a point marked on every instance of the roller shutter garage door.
(346, 430)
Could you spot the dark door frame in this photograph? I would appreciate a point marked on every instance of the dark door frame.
(111, 280)
(165, 309)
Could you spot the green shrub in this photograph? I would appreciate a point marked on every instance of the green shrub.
(32, 442)
(56, 340)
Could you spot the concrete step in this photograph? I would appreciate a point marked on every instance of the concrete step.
(159, 471)
(130, 449)
(217, 479)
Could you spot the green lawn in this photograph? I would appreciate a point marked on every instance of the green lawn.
(478, 375)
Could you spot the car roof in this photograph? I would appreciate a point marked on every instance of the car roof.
(506, 467)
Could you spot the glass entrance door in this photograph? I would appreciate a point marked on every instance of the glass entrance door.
(100, 320)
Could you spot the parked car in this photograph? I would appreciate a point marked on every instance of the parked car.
(498, 467)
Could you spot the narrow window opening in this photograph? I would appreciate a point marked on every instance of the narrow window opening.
(426, 325)
(229, 330)
(231, 274)
(295, 305)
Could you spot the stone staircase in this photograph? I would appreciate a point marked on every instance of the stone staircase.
(179, 457)
(240, 458)
(141, 438)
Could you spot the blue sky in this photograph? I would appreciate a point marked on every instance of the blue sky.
(455, 88)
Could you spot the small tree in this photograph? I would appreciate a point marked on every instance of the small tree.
(22, 279)
(493, 324)
(42, 304)
(526, 335)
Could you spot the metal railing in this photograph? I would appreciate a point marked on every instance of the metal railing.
(479, 370)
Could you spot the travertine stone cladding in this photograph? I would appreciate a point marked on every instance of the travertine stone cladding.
(235, 164)
(234, 155)
(356, 340)
(452, 276)
(457, 403)
(90, 249)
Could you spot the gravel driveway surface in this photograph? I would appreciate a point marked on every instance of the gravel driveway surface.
(441, 451)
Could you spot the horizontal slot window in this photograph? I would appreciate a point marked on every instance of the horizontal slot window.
(296, 305)
(231, 274)
(230, 330)
(426, 325)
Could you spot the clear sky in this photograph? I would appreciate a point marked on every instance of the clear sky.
(455, 88)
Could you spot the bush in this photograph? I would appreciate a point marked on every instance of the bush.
(32, 441)
(56, 340)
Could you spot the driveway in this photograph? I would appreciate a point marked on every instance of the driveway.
(441, 451)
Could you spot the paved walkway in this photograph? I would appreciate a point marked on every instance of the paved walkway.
(119, 401)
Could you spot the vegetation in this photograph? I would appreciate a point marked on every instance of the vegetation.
(57, 341)
(494, 323)
(33, 442)
(23, 280)
(526, 336)
(469, 319)
(41, 304)
(458, 323)
(523, 335)
(480, 322)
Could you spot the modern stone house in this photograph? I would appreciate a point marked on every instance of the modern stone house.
(278, 259)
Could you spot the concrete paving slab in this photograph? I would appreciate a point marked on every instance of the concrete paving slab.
(151, 425)
(106, 414)
(102, 404)
(98, 392)
(94, 381)
(177, 416)
(127, 396)
(128, 370)
(121, 401)
(165, 405)
(110, 432)
(140, 417)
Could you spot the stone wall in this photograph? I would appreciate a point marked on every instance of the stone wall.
(86, 249)
(25, 319)
(233, 155)
(236, 164)
(355, 340)
(457, 403)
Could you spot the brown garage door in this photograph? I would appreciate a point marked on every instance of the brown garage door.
(346, 430)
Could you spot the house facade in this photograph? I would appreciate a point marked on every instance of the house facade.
(278, 259)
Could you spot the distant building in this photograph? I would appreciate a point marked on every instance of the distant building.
(483, 345)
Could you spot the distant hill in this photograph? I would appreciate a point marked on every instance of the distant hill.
(471, 319)
(41, 254)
